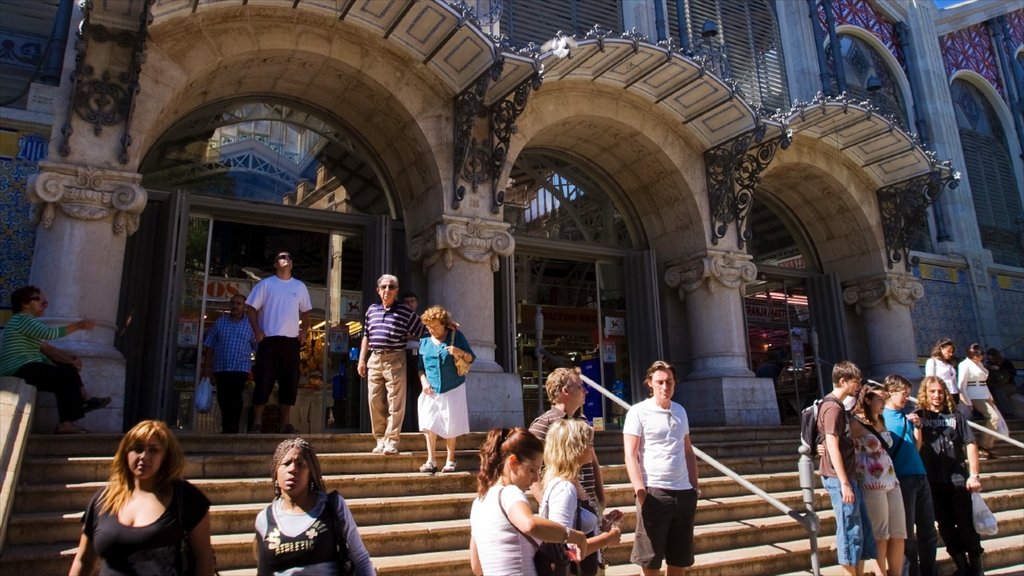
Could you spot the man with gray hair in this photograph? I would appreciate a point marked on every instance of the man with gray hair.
(386, 329)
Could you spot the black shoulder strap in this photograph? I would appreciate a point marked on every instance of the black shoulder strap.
(875, 433)
(340, 535)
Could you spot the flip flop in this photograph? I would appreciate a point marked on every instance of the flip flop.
(95, 403)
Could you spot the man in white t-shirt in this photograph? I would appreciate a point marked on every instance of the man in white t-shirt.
(663, 472)
(278, 311)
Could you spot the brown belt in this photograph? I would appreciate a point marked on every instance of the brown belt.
(383, 352)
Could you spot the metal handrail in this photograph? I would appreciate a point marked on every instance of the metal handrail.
(986, 430)
(807, 518)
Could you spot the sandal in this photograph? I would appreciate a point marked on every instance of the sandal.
(429, 468)
(95, 403)
(448, 467)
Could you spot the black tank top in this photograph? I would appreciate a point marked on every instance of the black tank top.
(278, 552)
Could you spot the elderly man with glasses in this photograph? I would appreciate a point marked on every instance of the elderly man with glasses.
(386, 329)
(278, 311)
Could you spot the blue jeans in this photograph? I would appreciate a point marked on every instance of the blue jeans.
(921, 539)
(854, 539)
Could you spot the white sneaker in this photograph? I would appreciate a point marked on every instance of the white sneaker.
(379, 448)
(390, 448)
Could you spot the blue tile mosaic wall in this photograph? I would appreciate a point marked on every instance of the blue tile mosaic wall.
(20, 153)
(1008, 295)
(946, 310)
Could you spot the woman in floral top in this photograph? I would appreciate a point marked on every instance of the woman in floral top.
(878, 479)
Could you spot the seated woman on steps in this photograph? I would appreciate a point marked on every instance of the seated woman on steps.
(305, 530)
(26, 354)
(138, 523)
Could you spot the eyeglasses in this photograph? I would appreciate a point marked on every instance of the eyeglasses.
(283, 257)
(388, 287)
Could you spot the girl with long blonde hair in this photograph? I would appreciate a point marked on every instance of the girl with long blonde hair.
(566, 448)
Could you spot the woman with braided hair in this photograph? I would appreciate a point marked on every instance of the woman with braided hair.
(305, 530)
(503, 528)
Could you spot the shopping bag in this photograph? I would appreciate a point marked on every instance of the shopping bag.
(985, 522)
(204, 396)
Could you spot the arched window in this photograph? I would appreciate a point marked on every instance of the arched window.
(996, 198)
(868, 77)
(552, 197)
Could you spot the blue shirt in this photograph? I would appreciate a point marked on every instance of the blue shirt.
(233, 344)
(439, 365)
(905, 458)
(389, 328)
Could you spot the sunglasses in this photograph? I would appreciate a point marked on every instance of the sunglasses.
(283, 257)
(388, 287)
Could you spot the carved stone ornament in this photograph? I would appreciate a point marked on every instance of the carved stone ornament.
(890, 289)
(472, 239)
(713, 271)
(87, 193)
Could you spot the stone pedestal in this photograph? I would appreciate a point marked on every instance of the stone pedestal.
(724, 401)
(85, 216)
(885, 302)
(460, 257)
(720, 389)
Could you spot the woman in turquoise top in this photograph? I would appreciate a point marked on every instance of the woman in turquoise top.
(442, 405)
(26, 354)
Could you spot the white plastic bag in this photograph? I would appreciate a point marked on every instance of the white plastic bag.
(204, 396)
(985, 523)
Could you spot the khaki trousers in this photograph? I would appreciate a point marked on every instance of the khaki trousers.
(385, 378)
(993, 420)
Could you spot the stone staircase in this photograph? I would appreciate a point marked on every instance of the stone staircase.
(415, 524)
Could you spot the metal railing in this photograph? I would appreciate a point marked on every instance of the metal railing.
(808, 518)
(986, 430)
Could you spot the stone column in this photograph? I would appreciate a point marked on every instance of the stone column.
(885, 302)
(721, 389)
(85, 216)
(459, 257)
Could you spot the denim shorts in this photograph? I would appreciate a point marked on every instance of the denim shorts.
(854, 540)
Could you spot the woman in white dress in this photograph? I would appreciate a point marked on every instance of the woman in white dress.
(566, 448)
(503, 528)
(442, 404)
(972, 378)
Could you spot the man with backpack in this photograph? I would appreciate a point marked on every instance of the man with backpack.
(855, 542)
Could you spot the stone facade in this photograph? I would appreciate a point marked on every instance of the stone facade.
(444, 110)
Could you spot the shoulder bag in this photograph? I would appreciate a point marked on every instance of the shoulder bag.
(461, 366)
(549, 558)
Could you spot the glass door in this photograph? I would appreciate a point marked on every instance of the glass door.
(224, 258)
(577, 309)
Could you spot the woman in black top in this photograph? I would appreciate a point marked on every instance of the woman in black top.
(137, 524)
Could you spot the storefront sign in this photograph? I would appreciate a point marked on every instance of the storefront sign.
(226, 288)
(614, 326)
(757, 312)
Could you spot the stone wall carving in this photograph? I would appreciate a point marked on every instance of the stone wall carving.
(472, 239)
(713, 271)
(887, 290)
(86, 193)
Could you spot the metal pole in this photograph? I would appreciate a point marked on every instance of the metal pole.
(817, 362)
(806, 469)
(538, 328)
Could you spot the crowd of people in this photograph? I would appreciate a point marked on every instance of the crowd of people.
(894, 471)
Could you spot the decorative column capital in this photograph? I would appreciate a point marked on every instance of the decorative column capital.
(87, 193)
(888, 289)
(712, 271)
(472, 239)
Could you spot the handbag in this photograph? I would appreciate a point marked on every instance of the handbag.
(550, 558)
(204, 396)
(461, 366)
(985, 523)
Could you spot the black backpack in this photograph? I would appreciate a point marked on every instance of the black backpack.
(809, 435)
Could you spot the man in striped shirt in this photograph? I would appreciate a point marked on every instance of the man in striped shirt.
(386, 329)
(567, 394)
